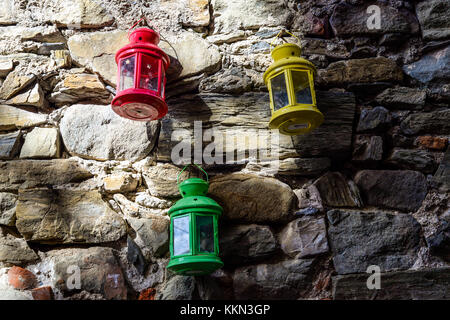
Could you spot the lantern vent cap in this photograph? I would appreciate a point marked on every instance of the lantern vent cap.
(144, 35)
(193, 187)
(286, 50)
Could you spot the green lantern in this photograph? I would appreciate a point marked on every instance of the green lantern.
(194, 236)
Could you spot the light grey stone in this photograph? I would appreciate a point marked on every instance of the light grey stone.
(132, 209)
(41, 143)
(63, 216)
(161, 180)
(15, 251)
(8, 203)
(32, 97)
(195, 54)
(152, 234)
(19, 174)
(253, 199)
(12, 118)
(77, 13)
(96, 51)
(8, 12)
(39, 33)
(96, 132)
(147, 200)
(6, 67)
(247, 14)
(304, 237)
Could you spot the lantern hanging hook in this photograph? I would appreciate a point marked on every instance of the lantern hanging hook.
(185, 167)
(279, 36)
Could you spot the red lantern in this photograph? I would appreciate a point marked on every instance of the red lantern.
(141, 77)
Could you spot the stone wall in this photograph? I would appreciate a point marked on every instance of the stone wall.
(82, 190)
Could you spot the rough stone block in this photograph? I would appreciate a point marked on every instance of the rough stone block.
(63, 216)
(106, 135)
(241, 244)
(359, 240)
(41, 143)
(9, 145)
(397, 189)
(253, 199)
(31, 173)
(401, 285)
(304, 237)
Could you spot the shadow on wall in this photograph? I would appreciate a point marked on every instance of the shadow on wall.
(174, 127)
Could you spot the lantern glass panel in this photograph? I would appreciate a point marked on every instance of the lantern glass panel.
(279, 92)
(205, 234)
(163, 82)
(300, 80)
(127, 66)
(149, 73)
(181, 235)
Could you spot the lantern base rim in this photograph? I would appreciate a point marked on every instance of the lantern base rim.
(296, 119)
(153, 106)
(196, 265)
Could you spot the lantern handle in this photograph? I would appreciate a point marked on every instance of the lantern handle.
(278, 35)
(136, 23)
(178, 177)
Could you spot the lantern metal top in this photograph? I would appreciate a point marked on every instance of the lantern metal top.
(287, 55)
(147, 39)
(144, 35)
(193, 191)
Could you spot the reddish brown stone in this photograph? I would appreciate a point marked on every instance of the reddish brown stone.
(114, 286)
(435, 143)
(147, 294)
(21, 278)
(323, 282)
(318, 26)
(42, 293)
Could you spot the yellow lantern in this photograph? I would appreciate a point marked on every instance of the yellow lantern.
(290, 80)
